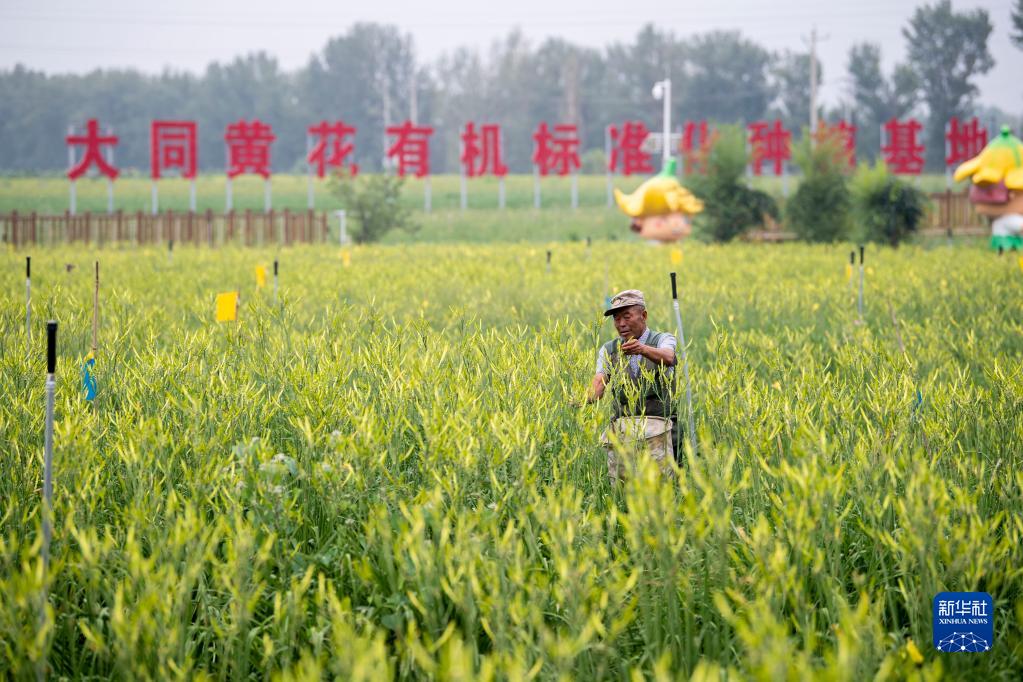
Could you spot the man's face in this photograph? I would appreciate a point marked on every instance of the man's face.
(630, 321)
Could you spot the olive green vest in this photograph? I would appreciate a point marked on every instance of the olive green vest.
(649, 393)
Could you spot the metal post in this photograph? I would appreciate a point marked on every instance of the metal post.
(275, 281)
(548, 261)
(662, 91)
(859, 303)
(155, 199)
(72, 194)
(267, 201)
(28, 299)
(575, 190)
(51, 386)
(228, 199)
(607, 159)
(536, 188)
(191, 195)
(110, 183)
(685, 363)
(342, 232)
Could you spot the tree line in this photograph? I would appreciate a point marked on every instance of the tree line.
(370, 77)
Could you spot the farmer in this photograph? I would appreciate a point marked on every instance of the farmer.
(638, 367)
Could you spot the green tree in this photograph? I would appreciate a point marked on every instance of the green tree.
(791, 76)
(1017, 24)
(877, 99)
(728, 78)
(887, 209)
(819, 210)
(947, 50)
(374, 204)
(730, 206)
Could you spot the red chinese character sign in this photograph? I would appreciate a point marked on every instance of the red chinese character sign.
(92, 140)
(556, 151)
(481, 151)
(661, 208)
(963, 140)
(172, 146)
(997, 188)
(841, 139)
(626, 152)
(248, 151)
(694, 146)
(903, 154)
(770, 143)
(330, 147)
(411, 148)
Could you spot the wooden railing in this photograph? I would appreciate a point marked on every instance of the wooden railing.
(248, 228)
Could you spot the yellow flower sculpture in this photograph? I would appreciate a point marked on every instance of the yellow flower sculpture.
(660, 208)
(997, 189)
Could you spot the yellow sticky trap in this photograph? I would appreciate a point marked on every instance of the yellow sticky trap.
(227, 306)
(848, 271)
(260, 276)
(1021, 262)
(676, 256)
(346, 258)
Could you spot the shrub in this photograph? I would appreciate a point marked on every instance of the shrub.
(820, 209)
(887, 209)
(374, 204)
(730, 206)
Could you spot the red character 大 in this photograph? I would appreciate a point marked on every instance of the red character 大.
(965, 140)
(484, 147)
(627, 155)
(248, 148)
(903, 154)
(770, 143)
(332, 147)
(411, 148)
(172, 144)
(557, 151)
(92, 141)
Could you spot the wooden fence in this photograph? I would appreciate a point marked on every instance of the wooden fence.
(211, 229)
(949, 214)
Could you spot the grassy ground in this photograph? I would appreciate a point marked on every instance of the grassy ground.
(384, 473)
(50, 194)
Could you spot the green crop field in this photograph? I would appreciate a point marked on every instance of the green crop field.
(384, 474)
(49, 194)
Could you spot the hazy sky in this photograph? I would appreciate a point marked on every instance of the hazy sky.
(76, 36)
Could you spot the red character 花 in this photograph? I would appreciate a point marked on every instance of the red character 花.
(248, 148)
(172, 144)
(770, 143)
(627, 155)
(332, 147)
(903, 154)
(92, 141)
(557, 151)
(412, 148)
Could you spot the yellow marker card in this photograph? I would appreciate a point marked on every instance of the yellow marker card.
(676, 256)
(260, 276)
(346, 258)
(227, 306)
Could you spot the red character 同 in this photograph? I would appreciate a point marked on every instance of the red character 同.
(92, 141)
(965, 140)
(903, 154)
(485, 147)
(627, 155)
(557, 151)
(412, 148)
(770, 143)
(248, 148)
(172, 144)
(332, 147)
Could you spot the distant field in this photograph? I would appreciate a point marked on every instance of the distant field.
(50, 194)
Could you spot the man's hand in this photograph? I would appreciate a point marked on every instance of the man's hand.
(634, 347)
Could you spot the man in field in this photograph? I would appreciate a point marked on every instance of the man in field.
(637, 367)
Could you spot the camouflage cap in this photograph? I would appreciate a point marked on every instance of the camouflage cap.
(624, 299)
